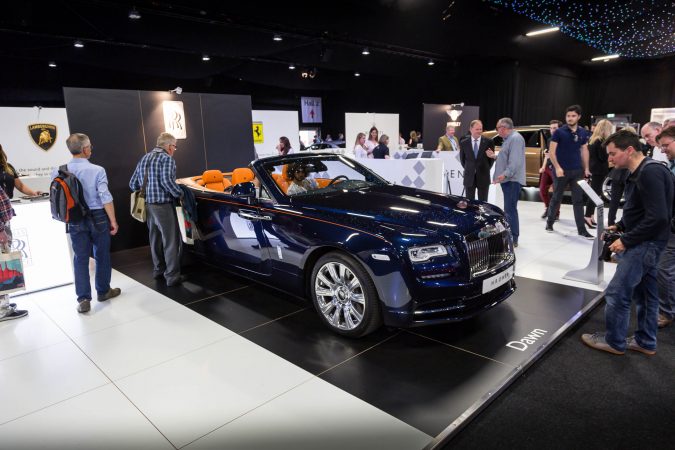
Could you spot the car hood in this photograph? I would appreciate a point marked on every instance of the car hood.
(401, 210)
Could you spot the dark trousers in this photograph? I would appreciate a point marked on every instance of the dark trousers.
(482, 192)
(596, 185)
(165, 242)
(571, 177)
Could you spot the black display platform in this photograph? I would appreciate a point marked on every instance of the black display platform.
(433, 378)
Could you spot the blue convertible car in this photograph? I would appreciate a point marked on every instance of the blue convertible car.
(366, 252)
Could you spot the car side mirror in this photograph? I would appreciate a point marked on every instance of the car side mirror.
(245, 190)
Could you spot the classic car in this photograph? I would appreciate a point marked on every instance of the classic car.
(366, 252)
(535, 144)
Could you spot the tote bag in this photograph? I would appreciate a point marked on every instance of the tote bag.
(11, 273)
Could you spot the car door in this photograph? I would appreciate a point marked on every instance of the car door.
(234, 233)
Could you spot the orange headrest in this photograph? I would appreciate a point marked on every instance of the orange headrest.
(242, 175)
(212, 176)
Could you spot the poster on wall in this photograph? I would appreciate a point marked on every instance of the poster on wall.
(174, 119)
(438, 117)
(258, 134)
(34, 139)
(311, 109)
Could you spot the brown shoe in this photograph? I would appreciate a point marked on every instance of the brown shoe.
(633, 345)
(597, 341)
(663, 321)
(112, 292)
(84, 306)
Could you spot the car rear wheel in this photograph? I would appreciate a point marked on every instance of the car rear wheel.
(345, 296)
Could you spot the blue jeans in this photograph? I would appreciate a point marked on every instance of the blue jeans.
(91, 236)
(635, 279)
(511, 190)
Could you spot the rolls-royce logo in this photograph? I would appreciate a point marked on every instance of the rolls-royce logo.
(43, 135)
(174, 119)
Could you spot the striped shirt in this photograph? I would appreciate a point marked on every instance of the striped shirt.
(162, 187)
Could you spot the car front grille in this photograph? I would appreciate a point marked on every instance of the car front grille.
(487, 253)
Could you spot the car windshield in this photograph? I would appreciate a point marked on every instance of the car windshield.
(320, 175)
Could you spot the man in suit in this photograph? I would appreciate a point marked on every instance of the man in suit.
(448, 141)
(477, 157)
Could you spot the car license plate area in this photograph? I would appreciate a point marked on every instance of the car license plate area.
(492, 283)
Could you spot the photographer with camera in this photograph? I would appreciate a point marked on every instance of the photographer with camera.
(646, 228)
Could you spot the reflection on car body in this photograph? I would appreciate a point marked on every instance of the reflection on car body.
(365, 252)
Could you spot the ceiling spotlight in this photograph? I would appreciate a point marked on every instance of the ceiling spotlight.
(365, 51)
(604, 58)
(291, 66)
(52, 64)
(430, 62)
(134, 14)
(78, 44)
(277, 37)
(356, 74)
(178, 90)
(206, 58)
(544, 31)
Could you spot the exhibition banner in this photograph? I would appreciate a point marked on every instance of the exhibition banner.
(34, 139)
(276, 124)
(311, 109)
(661, 114)
(438, 117)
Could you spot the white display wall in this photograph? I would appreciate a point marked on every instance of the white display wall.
(274, 125)
(356, 123)
(22, 152)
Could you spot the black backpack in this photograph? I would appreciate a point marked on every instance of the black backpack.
(66, 197)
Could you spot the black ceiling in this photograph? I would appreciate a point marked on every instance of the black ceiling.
(166, 44)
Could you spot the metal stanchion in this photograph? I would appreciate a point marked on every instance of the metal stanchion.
(594, 272)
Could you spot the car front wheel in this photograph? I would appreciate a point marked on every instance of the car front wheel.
(344, 295)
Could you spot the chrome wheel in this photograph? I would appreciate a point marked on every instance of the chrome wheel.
(339, 296)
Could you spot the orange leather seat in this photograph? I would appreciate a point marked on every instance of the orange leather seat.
(214, 179)
(322, 182)
(281, 182)
(242, 175)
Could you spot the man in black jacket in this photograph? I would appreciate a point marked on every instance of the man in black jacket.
(646, 224)
(476, 154)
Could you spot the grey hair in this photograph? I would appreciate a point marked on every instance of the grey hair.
(165, 139)
(76, 142)
(383, 139)
(448, 127)
(655, 125)
(505, 122)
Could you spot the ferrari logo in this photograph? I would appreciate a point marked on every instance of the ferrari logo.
(258, 135)
(43, 135)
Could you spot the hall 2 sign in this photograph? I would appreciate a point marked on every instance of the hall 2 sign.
(311, 109)
(522, 344)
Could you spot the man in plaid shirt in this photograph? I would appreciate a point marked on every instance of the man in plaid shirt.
(8, 310)
(161, 194)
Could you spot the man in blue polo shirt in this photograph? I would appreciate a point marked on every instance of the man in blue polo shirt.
(569, 154)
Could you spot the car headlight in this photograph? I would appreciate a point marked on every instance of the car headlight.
(421, 254)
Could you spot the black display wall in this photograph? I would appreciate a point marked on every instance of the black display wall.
(436, 119)
(124, 124)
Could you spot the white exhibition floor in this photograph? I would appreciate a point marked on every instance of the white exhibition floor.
(143, 371)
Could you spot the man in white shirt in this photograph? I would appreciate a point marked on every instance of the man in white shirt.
(649, 132)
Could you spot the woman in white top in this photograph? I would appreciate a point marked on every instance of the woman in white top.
(359, 146)
(298, 181)
(284, 146)
(373, 141)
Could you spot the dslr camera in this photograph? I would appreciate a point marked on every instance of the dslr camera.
(608, 238)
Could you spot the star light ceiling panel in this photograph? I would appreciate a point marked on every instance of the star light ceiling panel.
(633, 29)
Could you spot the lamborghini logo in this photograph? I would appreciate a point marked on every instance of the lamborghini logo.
(43, 135)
